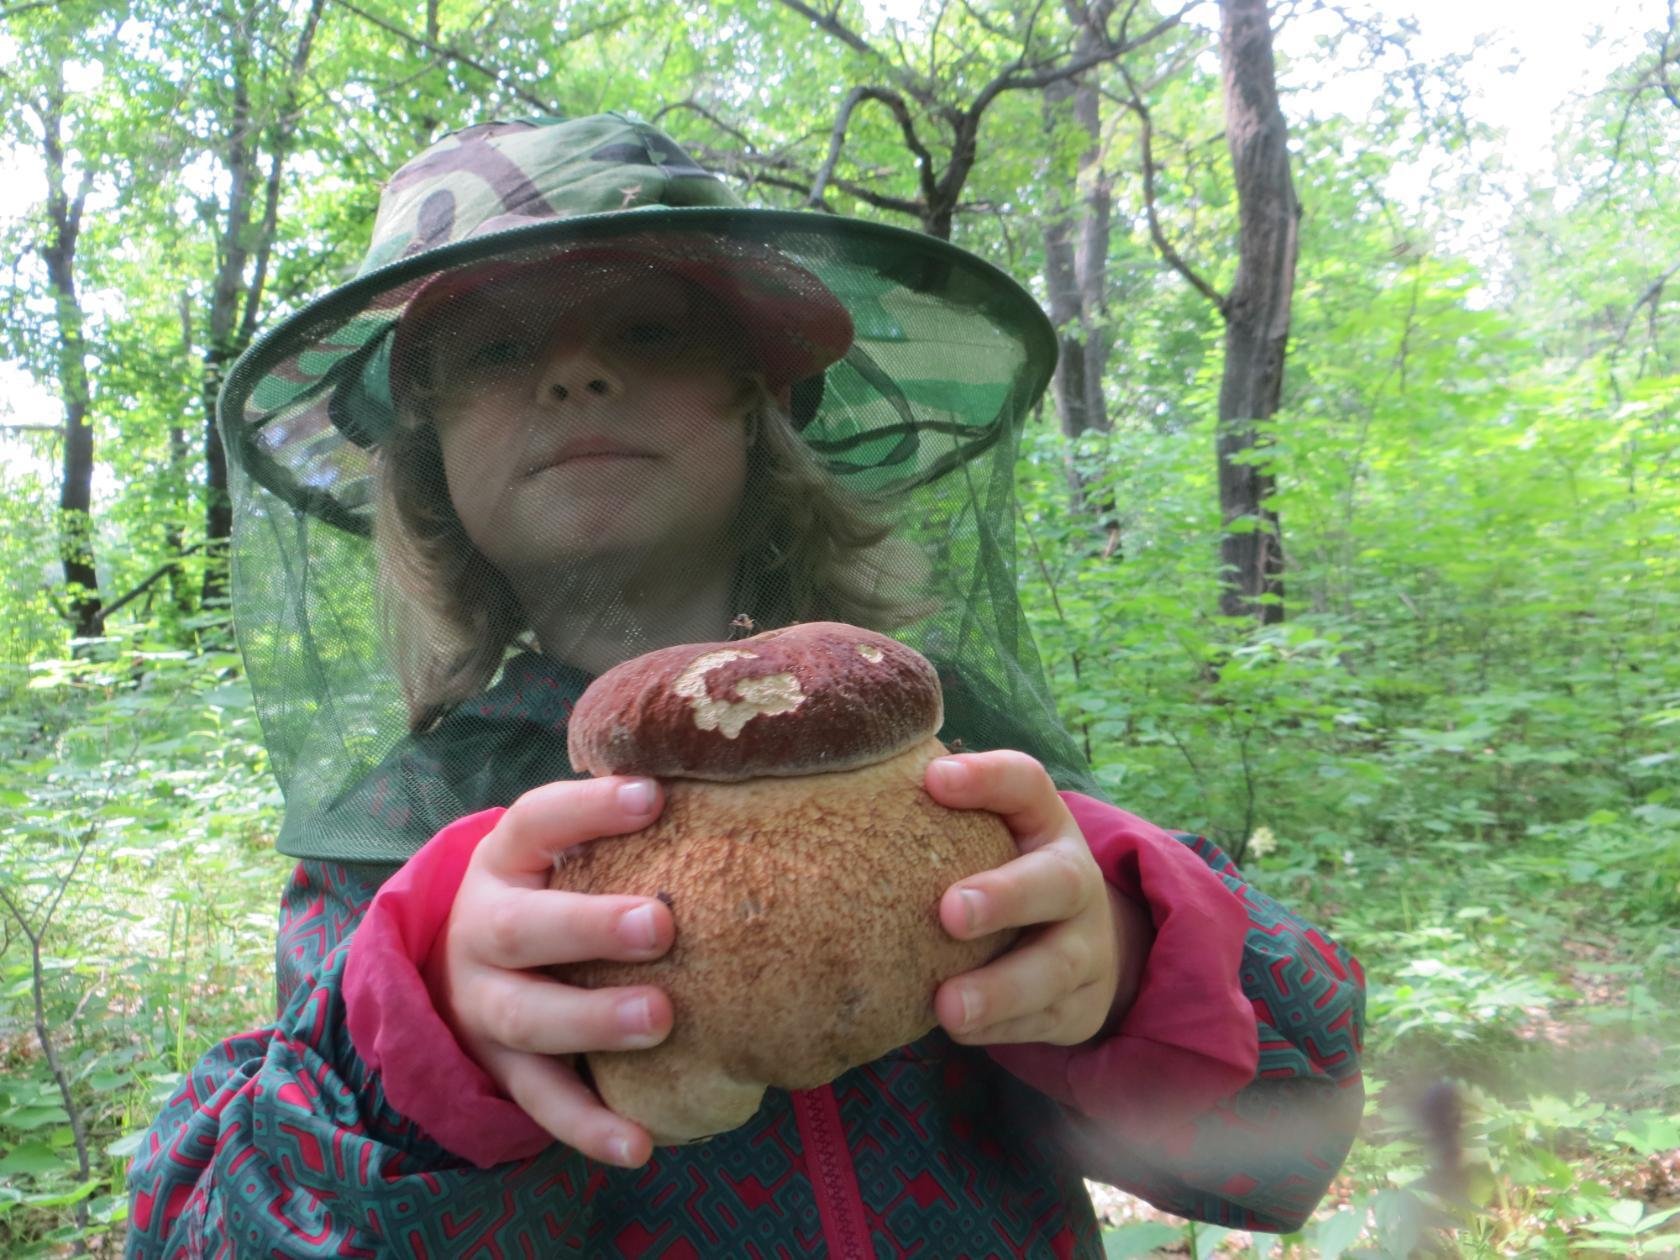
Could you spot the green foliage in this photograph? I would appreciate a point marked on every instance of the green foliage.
(134, 844)
(1458, 751)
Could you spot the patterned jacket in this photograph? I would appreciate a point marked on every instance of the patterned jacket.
(354, 1126)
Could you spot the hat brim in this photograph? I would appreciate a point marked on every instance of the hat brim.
(793, 326)
(947, 352)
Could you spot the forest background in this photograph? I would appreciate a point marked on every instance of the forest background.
(1393, 618)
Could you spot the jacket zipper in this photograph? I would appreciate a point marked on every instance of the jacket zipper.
(833, 1178)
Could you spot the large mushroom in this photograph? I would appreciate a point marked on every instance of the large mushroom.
(799, 853)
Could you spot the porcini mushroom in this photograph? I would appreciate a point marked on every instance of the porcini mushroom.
(800, 855)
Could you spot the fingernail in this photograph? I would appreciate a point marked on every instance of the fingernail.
(637, 796)
(952, 775)
(620, 1148)
(639, 928)
(974, 907)
(971, 1006)
(635, 1016)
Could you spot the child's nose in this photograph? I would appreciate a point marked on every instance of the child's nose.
(576, 372)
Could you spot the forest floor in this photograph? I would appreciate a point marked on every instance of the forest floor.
(1567, 1140)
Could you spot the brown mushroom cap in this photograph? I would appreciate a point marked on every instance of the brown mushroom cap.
(807, 699)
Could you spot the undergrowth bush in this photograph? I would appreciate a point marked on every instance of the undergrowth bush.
(139, 890)
(1458, 753)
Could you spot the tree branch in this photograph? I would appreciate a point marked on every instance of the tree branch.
(30, 7)
(1146, 150)
(1032, 23)
(83, 186)
(453, 54)
(1666, 56)
(35, 935)
(1013, 80)
(940, 191)
(1655, 75)
(985, 23)
(831, 23)
(280, 137)
(903, 75)
(933, 38)
(157, 576)
(694, 106)
(906, 124)
(1651, 294)
(792, 185)
(790, 175)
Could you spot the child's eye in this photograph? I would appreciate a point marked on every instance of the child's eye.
(503, 352)
(650, 334)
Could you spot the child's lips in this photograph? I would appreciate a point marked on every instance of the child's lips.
(588, 451)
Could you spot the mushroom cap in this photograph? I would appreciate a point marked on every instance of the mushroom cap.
(807, 699)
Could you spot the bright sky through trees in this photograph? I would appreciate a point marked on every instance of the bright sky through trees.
(1538, 55)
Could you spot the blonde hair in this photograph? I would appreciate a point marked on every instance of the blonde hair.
(809, 550)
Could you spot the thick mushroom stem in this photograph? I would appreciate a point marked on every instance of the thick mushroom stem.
(678, 1099)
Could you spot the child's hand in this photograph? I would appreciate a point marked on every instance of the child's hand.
(1060, 982)
(506, 920)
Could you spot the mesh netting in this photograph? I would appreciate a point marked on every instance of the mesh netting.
(541, 434)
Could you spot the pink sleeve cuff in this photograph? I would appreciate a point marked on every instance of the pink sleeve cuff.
(1189, 1040)
(395, 1026)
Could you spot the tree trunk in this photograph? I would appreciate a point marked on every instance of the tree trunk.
(1076, 267)
(1090, 254)
(232, 253)
(1061, 282)
(180, 455)
(236, 297)
(75, 495)
(1256, 311)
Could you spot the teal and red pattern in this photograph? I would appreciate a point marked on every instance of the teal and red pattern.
(1263, 1159)
(282, 1143)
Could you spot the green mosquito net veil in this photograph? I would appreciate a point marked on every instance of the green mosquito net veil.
(438, 540)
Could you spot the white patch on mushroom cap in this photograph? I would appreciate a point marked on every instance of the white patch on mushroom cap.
(870, 653)
(760, 697)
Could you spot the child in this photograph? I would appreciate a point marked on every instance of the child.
(586, 405)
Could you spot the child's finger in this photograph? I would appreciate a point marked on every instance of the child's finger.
(1046, 885)
(538, 1015)
(1062, 1023)
(1032, 977)
(1007, 783)
(550, 1092)
(553, 818)
(537, 927)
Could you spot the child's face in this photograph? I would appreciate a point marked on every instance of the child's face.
(591, 415)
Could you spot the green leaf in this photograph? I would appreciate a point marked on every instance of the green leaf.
(30, 1118)
(1627, 1211)
(34, 1159)
(1337, 1233)
(232, 696)
(125, 1146)
(1205, 1239)
(1138, 1240)
(1650, 1133)
(62, 1197)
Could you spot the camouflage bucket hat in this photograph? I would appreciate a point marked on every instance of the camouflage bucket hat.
(901, 355)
